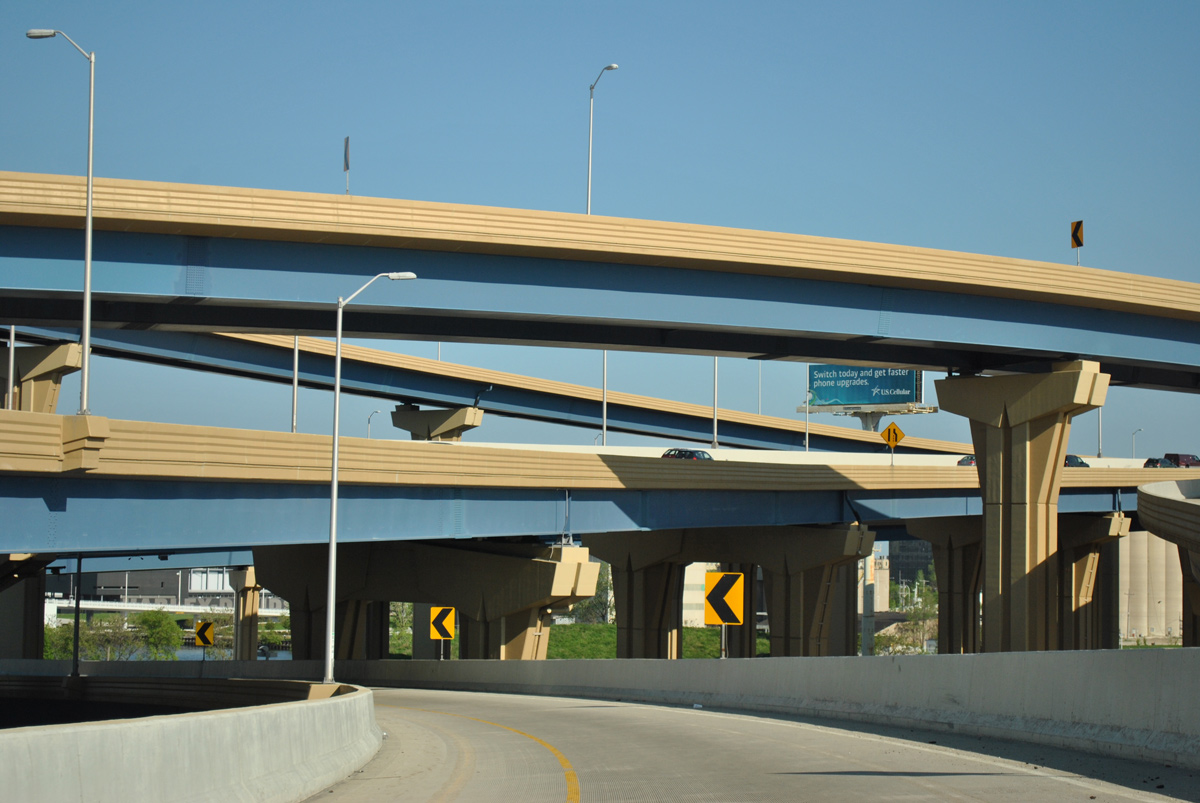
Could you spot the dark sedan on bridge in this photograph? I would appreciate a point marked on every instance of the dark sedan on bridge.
(1158, 462)
(687, 454)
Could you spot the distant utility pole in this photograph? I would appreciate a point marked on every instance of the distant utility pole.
(346, 165)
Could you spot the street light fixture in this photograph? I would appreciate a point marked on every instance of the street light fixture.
(86, 338)
(331, 591)
(604, 369)
(372, 415)
(1133, 448)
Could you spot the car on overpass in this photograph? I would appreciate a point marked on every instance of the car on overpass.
(687, 454)
(1075, 461)
(1182, 460)
(1158, 462)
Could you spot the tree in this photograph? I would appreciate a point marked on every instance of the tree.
(105, 638)
(59, 643)
(160, 635)
(400, 624)
(597, 609)
(274, 633)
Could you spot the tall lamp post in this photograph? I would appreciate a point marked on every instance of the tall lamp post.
(331, 591)
(86, 339)
(372, 415)
(1133, 446)
(604, 370)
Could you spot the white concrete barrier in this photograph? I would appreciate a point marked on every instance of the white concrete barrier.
(279, 753)
(1133, 703)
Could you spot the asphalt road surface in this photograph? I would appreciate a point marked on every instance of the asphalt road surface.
(469, 746)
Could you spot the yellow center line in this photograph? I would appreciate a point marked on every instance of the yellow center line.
(568, 771)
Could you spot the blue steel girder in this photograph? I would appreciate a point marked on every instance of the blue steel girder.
(257, 361)
(85, 515)
(162, 281)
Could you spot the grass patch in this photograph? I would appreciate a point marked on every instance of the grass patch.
(600, 641)
(582, 641)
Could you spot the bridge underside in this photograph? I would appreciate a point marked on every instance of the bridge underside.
(205, 284)
(97, 516)
(430, 382)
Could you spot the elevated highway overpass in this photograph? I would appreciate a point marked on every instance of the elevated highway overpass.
(175, 258)
(95, 486)
(195, 258)
(419, 381)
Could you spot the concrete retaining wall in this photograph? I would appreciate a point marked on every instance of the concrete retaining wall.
(1134, 703)
(1129, 703)
(282, 752)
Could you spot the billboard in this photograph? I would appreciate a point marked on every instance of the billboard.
(856, 385)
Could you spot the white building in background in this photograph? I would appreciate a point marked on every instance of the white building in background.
(693, 593)
(1151, 590)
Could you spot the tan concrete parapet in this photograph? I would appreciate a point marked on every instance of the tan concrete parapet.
(1171, 510)
(83, 437)
(30, 442)
(33, 443)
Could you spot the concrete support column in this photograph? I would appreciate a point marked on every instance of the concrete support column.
(39, 371)
(743, 639)
(307, 615)
(423, 647)
(649, 603)
(809, 575)
(957, 557)
(245, 614)
(523, 635)
(363, 632)
(812, 592)
(1190, 561)
(506, 586)
(1107, 597)
(22, 606)
(477, 639)
(1020, 426)
(1087, 605)
(813, 611)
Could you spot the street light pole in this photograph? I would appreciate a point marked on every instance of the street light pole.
(331, 589)
(1133, 447)
(372, 415)
(604, 370)
(591, 115)
(86, 337)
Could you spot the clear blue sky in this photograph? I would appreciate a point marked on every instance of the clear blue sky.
(973, 127)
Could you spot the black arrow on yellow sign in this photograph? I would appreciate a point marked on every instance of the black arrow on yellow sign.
(439, 628)
(892, 435)
(204, 634)
(1077, 234)
(723, 598)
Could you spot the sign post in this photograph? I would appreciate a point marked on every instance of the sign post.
(1077, 238)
